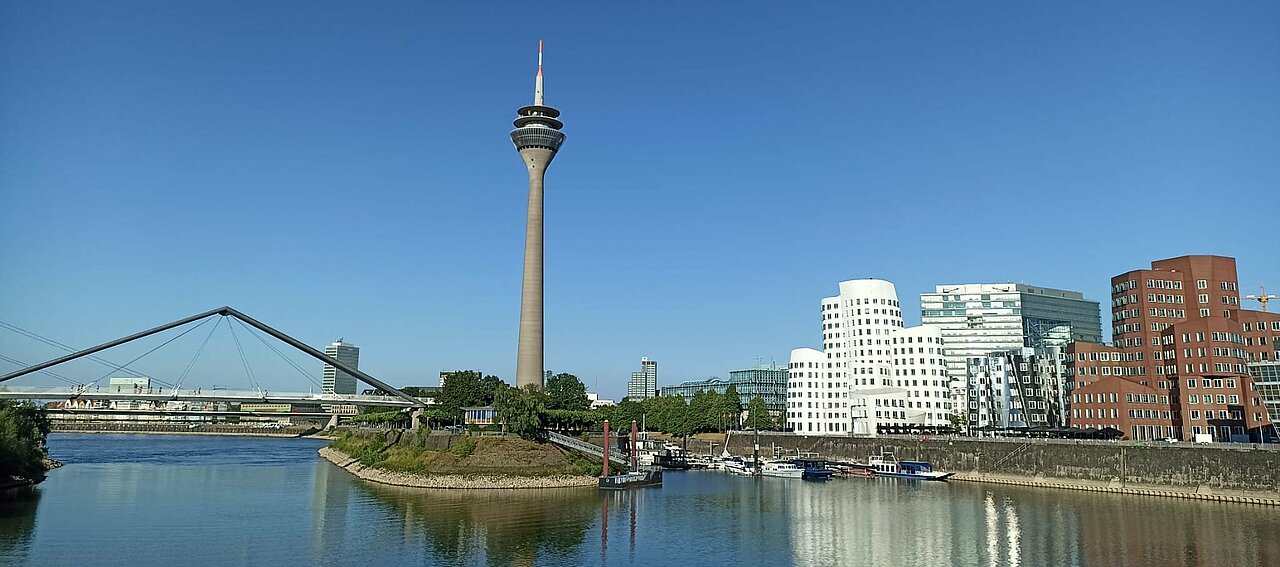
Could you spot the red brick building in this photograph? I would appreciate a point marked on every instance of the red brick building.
(1178, 329)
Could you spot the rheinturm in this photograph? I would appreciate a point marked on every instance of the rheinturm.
(537, 137)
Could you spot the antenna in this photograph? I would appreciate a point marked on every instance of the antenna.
(537, 88)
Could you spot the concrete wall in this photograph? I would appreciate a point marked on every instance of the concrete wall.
(1181, 466)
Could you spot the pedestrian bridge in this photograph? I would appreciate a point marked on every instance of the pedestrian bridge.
(162, 395)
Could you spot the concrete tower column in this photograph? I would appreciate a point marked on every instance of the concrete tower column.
(537, 137)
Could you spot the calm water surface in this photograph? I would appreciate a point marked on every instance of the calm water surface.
(144, 500)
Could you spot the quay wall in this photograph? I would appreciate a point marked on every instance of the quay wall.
(1219, 469)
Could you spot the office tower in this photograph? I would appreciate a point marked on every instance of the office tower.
(337, 381)
(979, 319)
(644, 384)
(537, 137)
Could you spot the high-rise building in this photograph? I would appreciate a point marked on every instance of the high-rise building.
(872, 374)
(979, 319)
(337, 381)
(538, 138)
(1178, 329)
(644, 384)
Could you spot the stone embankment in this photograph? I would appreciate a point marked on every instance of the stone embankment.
(452, 481)
(181, 429)
(1229, 473)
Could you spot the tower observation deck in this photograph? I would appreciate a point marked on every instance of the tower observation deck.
(537, 137)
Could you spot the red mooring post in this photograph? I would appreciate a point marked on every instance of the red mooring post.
(606, 448)
(635, 438)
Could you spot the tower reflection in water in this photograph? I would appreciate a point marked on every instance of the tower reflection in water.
(507, 527)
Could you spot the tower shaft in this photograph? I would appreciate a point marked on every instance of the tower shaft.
(529, 361)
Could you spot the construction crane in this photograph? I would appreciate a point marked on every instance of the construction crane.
(1262, 297)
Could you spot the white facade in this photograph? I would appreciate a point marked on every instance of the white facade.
(871, 372)
(337, 381)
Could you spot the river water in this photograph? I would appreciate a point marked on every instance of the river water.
(143, 500)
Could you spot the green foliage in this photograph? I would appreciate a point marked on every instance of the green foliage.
(959, 421)
(24, 427)
(436, 416)
(365, 448)
(704, 412)
(758, 414)
(524, 411)
(467, 389)
(463, 447)
(668, 414)
(566, 392)
(572, 420)
(731, 408)
(380, 417)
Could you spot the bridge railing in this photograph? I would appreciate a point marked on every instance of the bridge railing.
(615, 455)
(97, 392)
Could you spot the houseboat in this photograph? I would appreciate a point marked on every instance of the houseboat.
(885, 464)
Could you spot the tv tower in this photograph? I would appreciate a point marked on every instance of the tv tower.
(537, 137)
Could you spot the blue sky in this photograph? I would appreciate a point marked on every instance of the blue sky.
(341, 170)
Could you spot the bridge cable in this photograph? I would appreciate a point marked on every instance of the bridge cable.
(183, 377)
(46, 340)
(244, 360)
(22, 364)
(295, 365)
(117, 369)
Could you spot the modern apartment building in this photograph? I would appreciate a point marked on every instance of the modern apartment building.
(1178, 328)
(768, 382)
(337, 381)
(644, 384)
(979, 319)
(871, 373)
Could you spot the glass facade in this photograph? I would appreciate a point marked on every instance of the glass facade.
(768, 382)
(978, 319)
(1266, 377)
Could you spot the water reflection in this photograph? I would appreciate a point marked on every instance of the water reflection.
(510, 527)
(17, 521)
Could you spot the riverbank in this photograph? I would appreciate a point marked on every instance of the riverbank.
(453, 481)
(1225, 473)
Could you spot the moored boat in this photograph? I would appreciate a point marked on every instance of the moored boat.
(813, 468)
(781, 469)
(651, 476)
(885, 464)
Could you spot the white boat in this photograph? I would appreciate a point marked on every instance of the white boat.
(885, 464)
(782, 469)
(739, 465)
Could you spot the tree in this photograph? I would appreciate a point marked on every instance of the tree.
(705, 412)
(732, 407)
(467, 389)
(758, 414)
(959, 421)
(24, 427)
(566, 392)
(522, 411)
(668, 414)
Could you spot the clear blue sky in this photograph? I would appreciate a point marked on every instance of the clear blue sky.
(342, 170)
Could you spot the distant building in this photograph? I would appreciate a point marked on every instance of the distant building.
(130, 385)
(1023, 387)
(337, 381)
(444, 374)
(768, 382)
(644, 384)
(598, 402)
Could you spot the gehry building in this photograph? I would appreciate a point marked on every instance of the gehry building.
(871, 373)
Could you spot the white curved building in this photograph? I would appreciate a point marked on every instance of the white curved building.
(871, 371)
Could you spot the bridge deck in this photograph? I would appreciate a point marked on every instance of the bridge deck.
(199, 395)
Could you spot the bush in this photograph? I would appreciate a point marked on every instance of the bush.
(463, 448)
